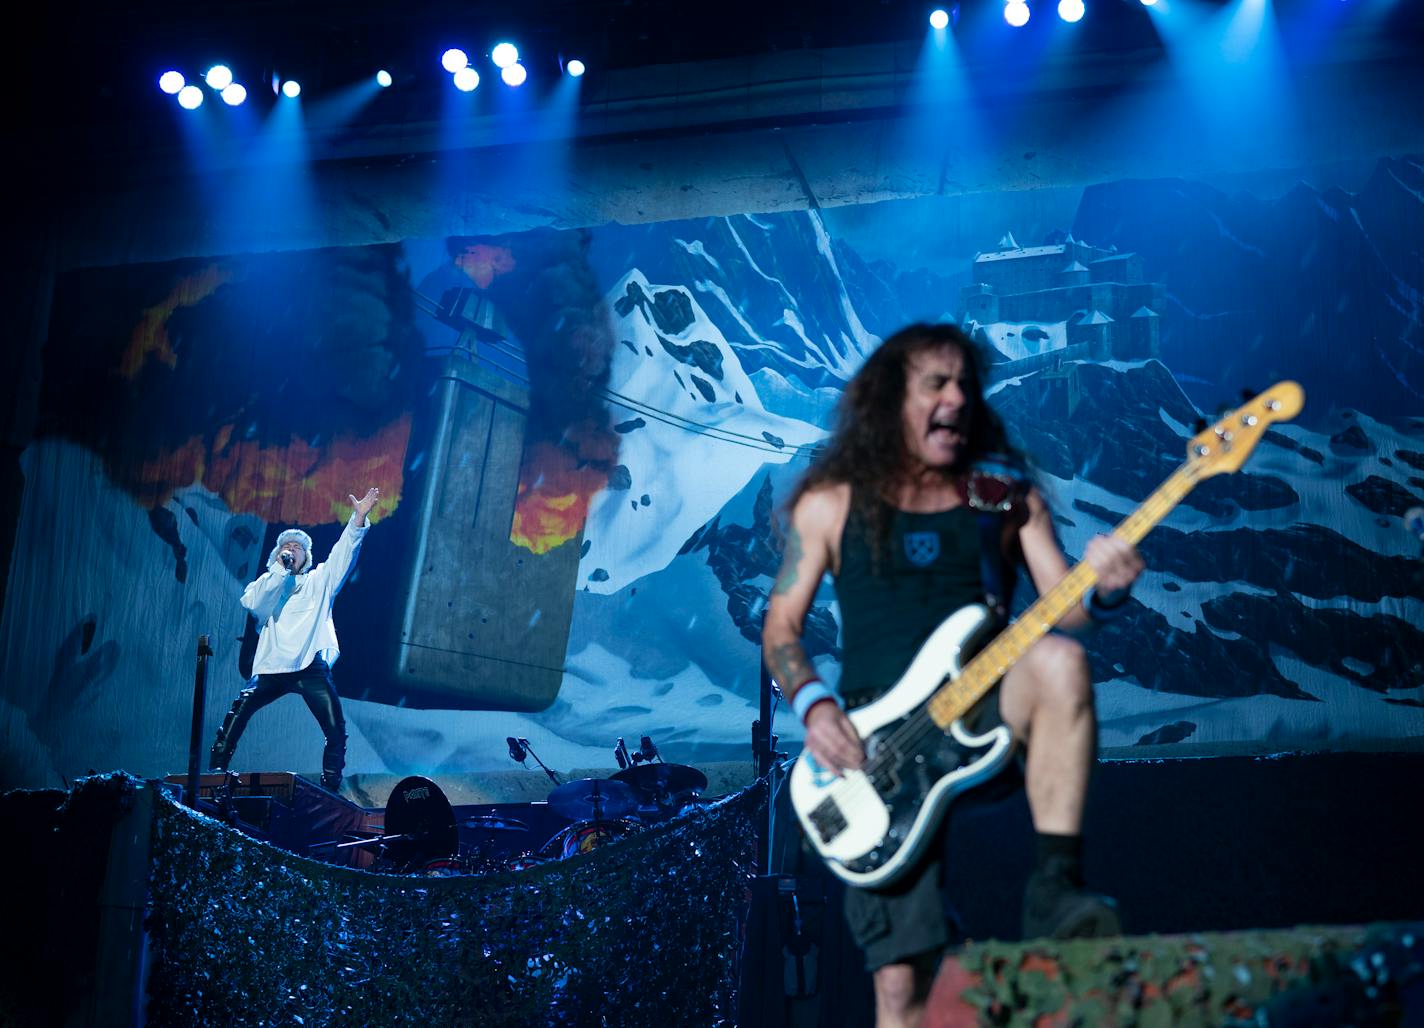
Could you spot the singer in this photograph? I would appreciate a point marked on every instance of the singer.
(296, 638)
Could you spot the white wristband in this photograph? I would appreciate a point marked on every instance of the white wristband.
(808, 695)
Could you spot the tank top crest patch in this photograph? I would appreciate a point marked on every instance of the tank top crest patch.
(921, 548)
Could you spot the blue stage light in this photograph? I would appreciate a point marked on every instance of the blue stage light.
(171, 81)
(219, 77)
(234, 94)
(514, 75)
(1016, 13)
(292, 88)
(939, 19)
(190, 98)
(574, 68)
(383, 78)
(1071, 10)
(504, 55)
(1149, 3)
(466, 79)
(454, 59)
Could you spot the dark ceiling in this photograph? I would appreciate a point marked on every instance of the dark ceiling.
(112, 53)
(99, 62)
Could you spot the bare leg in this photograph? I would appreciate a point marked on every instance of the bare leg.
(900, 993)
(1047, 700)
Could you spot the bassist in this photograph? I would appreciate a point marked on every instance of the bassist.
(895, 510)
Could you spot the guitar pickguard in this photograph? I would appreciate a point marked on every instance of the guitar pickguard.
(869, 824)
(938, 760)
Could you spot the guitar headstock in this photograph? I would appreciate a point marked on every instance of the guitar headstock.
(1225, 446)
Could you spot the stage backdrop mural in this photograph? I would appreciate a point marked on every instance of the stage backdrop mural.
(582, 438)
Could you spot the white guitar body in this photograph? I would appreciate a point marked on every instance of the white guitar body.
(871, 825)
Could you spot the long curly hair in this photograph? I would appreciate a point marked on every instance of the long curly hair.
(867, 450)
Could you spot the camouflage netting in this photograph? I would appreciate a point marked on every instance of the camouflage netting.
(644, 931)
(1301, 976)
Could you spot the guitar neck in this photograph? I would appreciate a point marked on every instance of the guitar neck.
(955, 697)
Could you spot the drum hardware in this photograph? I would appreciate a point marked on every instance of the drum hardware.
(646, 754)
(446, 867)
(523, 861)
(663, 789)
(593, 799)
(485, 854)
(520, 748)
(494, 823)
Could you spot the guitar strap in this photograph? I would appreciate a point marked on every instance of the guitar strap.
(994, 490)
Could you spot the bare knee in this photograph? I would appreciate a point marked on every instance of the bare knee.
(1052, 678)
(1059, 668)
(900, 991)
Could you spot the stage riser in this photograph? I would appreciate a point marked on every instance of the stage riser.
(1213, 844)
(1301, 977)
(288, 811)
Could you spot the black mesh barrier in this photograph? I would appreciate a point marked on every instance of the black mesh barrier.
(639, 932)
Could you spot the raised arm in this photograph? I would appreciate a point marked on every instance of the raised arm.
(1115, 561)
(812, 541)
(360, 508)
(343, 555)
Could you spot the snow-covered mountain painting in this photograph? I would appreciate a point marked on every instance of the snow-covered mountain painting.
(661, 388)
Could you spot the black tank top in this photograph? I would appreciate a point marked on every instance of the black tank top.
(929, 569)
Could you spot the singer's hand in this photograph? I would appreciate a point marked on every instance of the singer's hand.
(363, 506)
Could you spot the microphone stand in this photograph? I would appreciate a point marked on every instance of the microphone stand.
(530, 749)
(765, 757)
(195, 734)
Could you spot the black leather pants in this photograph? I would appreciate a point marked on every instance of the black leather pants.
(313, 683)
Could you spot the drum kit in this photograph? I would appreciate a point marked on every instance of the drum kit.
(422, 835)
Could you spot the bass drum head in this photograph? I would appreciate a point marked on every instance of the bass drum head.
(587, 836)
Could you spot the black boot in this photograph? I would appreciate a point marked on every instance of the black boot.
(1056, 906)
(333, 758)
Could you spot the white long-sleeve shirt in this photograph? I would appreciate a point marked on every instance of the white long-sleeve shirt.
(293, 612)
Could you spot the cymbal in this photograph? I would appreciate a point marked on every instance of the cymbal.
(494, 823)
(659, 780)
(593, 798)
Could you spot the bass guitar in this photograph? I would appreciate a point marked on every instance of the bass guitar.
(871, 824)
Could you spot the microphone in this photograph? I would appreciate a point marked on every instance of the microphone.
(1414, 521)
(520, 748)
(286, 558)
(646, 750)
(620, 754)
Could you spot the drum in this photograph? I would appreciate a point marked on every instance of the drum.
(444, 867)
(587, 836)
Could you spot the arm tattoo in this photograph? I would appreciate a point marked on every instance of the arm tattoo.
(786, 578)
(790, 667)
